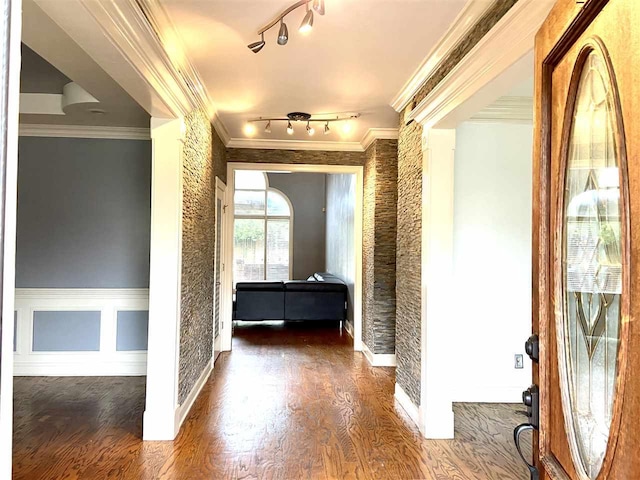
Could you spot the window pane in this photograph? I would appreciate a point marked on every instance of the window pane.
(250, 180)
(277, 249)
(249, 203)
(277, 205)
(248, 250)
(593, 268)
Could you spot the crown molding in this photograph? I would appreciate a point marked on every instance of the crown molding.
(221, 130)
(506, 110)
(471, 13)
(84, 131)
(139, 29)
(265, 143)
(508, 41)
(374, 134)
(262, 143)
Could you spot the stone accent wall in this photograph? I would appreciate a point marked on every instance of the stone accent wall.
(250, 155)
(379, 246)
(409, 259)
(219, 152)
(196, 307)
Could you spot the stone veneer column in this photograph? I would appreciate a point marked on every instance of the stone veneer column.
(165, 280)
(379, 251)
(436, 413)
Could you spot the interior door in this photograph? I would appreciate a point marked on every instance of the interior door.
(218, 294)
(586, 227)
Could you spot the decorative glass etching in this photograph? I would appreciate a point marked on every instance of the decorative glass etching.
(592, 268)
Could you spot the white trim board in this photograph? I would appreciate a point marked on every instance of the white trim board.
(81, 364)
(84, 131)
(183, 409)
(12, 11)
(379, 359)
(464, 22)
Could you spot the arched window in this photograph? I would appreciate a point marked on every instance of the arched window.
(262, 229)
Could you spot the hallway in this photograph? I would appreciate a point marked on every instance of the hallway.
(290, 402)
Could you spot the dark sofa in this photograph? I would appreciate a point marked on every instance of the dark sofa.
(322, 296)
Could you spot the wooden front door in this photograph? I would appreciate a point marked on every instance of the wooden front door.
(586, 290)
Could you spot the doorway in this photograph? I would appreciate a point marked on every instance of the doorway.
(355, 240)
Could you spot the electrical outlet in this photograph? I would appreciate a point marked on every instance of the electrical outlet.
(519, 362)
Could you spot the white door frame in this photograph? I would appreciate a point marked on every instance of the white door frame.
(356, 170)
(9, 250)
(221, 192)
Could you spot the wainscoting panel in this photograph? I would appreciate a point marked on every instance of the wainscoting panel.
(81, 332)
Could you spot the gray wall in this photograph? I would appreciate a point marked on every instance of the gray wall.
(306, 191)
(341, 198)
(84, 213)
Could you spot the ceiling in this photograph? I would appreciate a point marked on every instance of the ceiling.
(51, 59)
(39, 76)
(357, 57)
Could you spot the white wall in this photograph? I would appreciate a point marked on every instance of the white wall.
(491, 261)
(340, 255)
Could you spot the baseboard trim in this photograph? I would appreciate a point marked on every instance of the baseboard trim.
(379, 359)
(80, 364)
(183, 410)
(407, 405)
(348, 328)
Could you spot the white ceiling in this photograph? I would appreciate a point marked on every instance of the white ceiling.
(52, 56)
(357, 57)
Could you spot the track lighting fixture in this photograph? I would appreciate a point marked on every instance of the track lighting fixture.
(250, 130)
(307, 22)
(318, 6)
(255, 47)
(283, 32)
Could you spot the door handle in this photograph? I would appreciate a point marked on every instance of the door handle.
(531, 399)
(532, 347)
(533, 471)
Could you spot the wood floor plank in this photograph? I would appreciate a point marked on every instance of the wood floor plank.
(290, 402)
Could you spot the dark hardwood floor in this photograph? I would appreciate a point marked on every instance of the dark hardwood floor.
(288, 403)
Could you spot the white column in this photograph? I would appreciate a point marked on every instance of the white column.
(160, 421)
(436, 413)
(8, 270)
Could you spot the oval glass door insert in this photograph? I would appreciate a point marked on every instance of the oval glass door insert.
(592, 268)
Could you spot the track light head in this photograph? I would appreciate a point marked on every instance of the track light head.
(255, 47)
(327, 130)
(267, 128)
(289, 128)
(307, 22)
(346, 128)
(283, 34)
(318, 6)
(310, 129)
